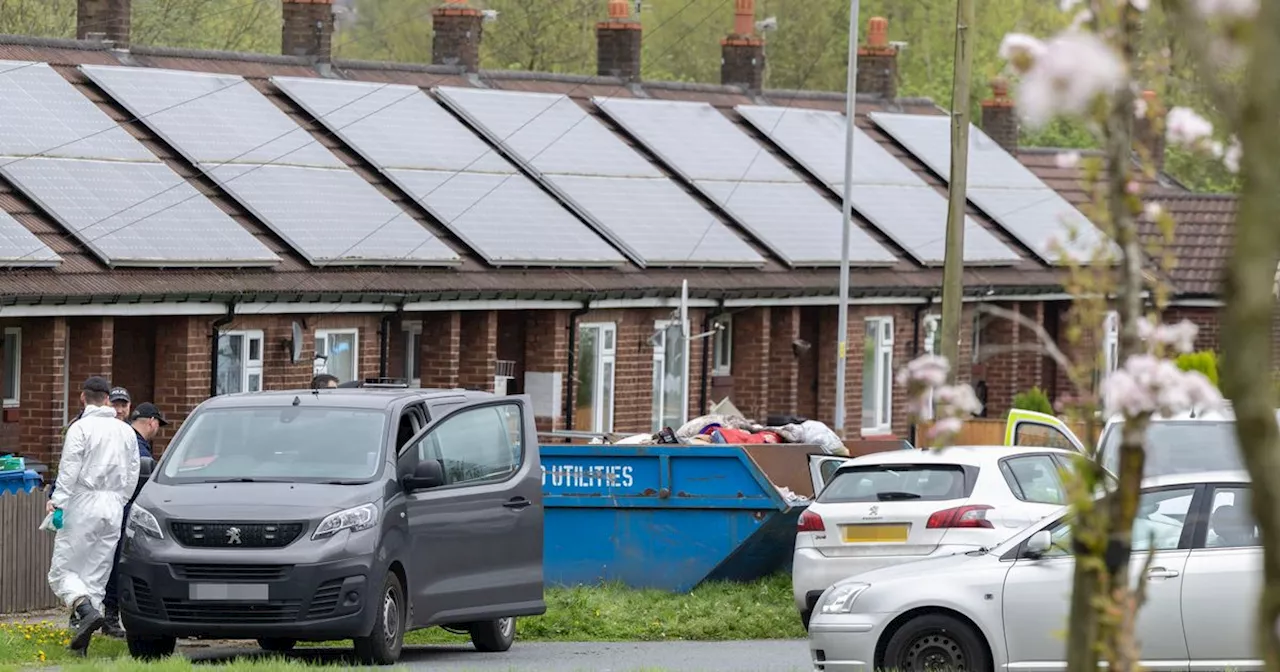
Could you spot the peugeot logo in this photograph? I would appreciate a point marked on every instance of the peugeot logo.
(233, 536)
(873, 511)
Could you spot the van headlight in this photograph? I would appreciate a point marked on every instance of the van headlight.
(839, 600)
(141, 519)
(355, 519)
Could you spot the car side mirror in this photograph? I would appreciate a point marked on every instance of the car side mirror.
(145, 466)
(428, 474)
(1039, 544)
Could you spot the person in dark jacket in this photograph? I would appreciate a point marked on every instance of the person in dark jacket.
(146, 421)
(121, 401)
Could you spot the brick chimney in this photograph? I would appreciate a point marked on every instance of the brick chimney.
(1000, 116)
(1148, 130)
(109, 18)
(458, 29)
(307, 29)
(618, 43)
(742, 51)
(878, 61)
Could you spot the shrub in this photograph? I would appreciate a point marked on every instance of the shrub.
(1204, 361)
(1033, 399)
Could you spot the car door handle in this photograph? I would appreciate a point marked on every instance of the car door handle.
(518, 503)
(1161, 573)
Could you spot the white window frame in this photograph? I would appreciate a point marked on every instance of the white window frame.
(1110, 343)
(722, 346)
(976, 342)
(884, 377)
(412, 351)
(16, 333)
(660, 383)
(602, 417)
(932, 346)
(251, 365)
(355, 348)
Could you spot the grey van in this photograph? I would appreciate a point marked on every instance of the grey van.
(356, 514)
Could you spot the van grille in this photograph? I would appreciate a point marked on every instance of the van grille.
(188, 611)
(235, 535)
(147, 605)
(326, 599)
(231, 572)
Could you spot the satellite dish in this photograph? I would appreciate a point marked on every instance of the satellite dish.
(295, 344)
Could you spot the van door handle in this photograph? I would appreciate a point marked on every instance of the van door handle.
(518, 503)
(1161, 573)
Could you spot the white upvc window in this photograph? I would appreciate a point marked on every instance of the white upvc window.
(594, 374)
(340, 348)
(12, 383)
(670, 375)
(413, 352)
(722, 345)
(240, 361)
(877, 376)
(1110, 343)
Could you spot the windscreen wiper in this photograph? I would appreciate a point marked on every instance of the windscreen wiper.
(892, 496)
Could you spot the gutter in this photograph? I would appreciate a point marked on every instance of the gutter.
(384, 341)
(215, 334)
(707, 320)
(572, 356)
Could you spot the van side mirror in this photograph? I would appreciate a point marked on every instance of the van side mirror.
(145, 466)
(428, 474)
(1039, 544)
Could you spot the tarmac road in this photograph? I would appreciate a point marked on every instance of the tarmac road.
(752, 656)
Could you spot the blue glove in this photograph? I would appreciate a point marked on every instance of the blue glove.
(57, 519)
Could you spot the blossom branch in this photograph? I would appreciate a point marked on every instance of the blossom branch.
(1046, 341)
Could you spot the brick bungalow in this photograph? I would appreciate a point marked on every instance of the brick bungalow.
(537, 329)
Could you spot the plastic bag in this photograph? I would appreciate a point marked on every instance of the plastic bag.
(819, 434)
(52, 522)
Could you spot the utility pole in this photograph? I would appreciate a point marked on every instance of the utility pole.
(851, 97)
(953, 262)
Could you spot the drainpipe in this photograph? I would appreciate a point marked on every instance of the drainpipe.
(707, 321)
(214, 334)
(384, 340)
(573, 345)
(915, 350)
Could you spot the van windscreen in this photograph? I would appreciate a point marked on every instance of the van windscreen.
(289, 444)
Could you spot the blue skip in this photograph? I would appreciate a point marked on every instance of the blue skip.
(667, 517)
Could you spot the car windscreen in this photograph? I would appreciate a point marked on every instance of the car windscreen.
(897, 482)
(291, 444)
(1180, 447)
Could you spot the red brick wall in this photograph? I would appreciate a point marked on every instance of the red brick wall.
(784, 367)
(182, 370)
(808, 328)
(511, 340)
(441, 347)
(903, 317)
(751, 359)
(43, 404)
(133, 358)
(91, 342)
(1207, 338)
(478, 349)
(546, 348)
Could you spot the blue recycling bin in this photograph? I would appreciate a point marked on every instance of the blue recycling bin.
(19, 481)
(666, 517)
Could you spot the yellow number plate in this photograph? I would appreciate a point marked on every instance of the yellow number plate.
(875, 534)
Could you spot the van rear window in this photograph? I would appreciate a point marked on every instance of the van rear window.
(899, 482)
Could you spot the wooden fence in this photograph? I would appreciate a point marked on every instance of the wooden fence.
(24, 554)
(990, 432)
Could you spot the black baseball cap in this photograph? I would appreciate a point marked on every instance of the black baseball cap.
(148, 410)
(119, 394)
(97, 384)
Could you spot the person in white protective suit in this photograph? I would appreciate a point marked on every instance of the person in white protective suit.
(97, 475)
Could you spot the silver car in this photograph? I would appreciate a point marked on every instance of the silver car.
(1008, 607)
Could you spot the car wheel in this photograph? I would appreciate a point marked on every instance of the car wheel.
(150, 648)
(277, 644)
(935, 642)
(383, 645)
(493, 636)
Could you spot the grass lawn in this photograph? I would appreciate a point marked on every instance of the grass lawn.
(713, 612)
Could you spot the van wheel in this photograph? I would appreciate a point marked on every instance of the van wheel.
(150, 648)
(383, 645)
(493, 636)
(277, 644)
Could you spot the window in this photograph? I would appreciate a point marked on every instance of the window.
(1231, 520)
(722, 365)
(13, 366)
(1110, 343)
(240, 362)
(1162, 515)
(339, 348)
(413, 353)
(669, 376)
(477, 445)
(877, 376)
(1179, 447)
(593, 373)
(1034, 478)
(932, 346)
(890, 482)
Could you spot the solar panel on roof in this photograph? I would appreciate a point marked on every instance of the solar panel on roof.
(136, 214)
(759, 191)
(454, 174)
(887, 193)
(631, 202)
(273, 167)
(1018, 200)
(19, 248)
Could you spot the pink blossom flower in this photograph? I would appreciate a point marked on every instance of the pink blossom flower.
(1072, 70)
(1066, 5)
(945, 428)
(1082, 17)
(1021, 51)
(1140, 5)
(1132, 187)
(1147, 384)
(1140, 108)
(1185, 128)
(1228, 9)
(1153, 211)
(1231, 157)
(1066, 160)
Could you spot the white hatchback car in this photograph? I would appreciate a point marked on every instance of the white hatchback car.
(1006, 609)
(898, 506)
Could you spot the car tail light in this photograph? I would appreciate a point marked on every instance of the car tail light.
(811, 522)
(973, 515)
